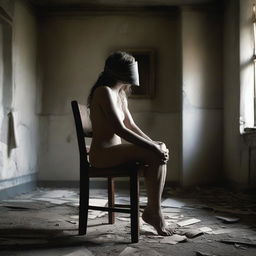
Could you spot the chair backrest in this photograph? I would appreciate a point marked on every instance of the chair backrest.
(83, 127)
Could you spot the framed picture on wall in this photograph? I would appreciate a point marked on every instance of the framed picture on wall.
(146, 66)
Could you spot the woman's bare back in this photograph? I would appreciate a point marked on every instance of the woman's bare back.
(104, 136)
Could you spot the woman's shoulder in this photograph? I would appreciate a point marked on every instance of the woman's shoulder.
(102, 91)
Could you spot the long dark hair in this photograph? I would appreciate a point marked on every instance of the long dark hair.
(118, 63)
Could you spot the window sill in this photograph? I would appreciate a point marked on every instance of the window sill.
(249, 136)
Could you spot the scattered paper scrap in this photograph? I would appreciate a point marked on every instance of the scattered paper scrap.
(172, 203)
(243, 241)
(228, 219)
(174, 239)
(75, 217)
(131, 251)
(198, 253)
(52, 200)
(98, 202)
(188, 222)
(171, 210)
(147, 229)
(96, 214)
(221, 231)
(83, 252)
(71, 221)
(206, 229)
(123, 219)
(59, 193)
(189, 233)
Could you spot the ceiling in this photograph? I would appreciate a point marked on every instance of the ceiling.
(116, 3)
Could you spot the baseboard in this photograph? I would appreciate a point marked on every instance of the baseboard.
(95, 184)
(16, 190)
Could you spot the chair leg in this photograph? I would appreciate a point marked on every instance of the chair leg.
(111, 199)
(83, 204)
(134, 197)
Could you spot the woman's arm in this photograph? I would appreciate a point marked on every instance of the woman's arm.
(130, 124)
(104, 96)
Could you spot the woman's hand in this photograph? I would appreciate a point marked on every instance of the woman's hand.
(162, 151)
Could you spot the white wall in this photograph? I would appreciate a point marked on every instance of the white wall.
(73, 50)
(202, 124)
(21, 165)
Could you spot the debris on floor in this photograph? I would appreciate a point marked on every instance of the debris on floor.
(204, 254)
(83, 252)
(131, 251)
(188, 222)
(228, 219)
(174, 239)
(205, 221)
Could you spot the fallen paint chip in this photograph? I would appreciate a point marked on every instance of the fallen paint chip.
(174, 239)
(188, 222)
(228, 219)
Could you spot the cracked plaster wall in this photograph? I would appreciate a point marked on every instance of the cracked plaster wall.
(21, 165)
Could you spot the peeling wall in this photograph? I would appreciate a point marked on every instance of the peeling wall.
(202, 123)
(19, 96)
(73, 50)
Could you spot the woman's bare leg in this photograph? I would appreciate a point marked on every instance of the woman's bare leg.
(154, 181)
(154, 176)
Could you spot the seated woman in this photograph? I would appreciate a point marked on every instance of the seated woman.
(112, 120)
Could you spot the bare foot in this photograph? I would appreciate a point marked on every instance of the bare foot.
(157, 221)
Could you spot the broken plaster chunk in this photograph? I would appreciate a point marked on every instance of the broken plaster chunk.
(174, 239)
(188, 222)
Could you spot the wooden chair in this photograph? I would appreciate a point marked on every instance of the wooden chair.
(83, 129)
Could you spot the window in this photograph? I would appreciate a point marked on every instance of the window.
(254, 59)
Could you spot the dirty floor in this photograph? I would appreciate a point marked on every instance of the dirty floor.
(207, 221)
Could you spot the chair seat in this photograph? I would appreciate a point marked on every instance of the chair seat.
(122, 170)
